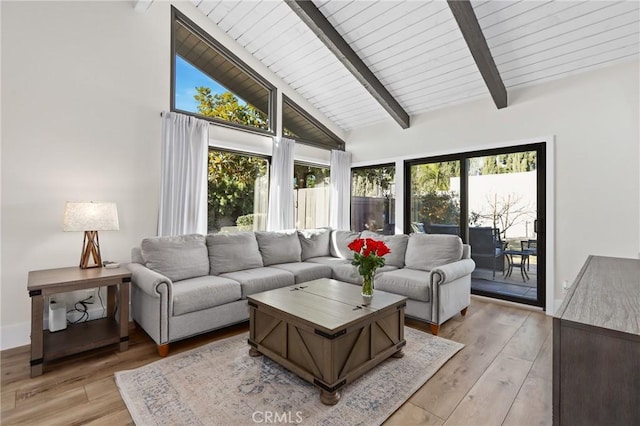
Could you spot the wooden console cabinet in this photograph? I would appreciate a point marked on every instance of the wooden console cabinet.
(46, 346)
(596, 346)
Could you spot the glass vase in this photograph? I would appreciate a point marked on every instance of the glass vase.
(367, 285)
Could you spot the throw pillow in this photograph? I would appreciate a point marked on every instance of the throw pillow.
(428, 251)
(233, 252)
(278, 247)
(396, 243)
(314, 242)
(177, 257)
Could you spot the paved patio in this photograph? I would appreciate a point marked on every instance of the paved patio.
(482, 279)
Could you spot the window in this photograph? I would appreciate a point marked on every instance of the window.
(373, 193)
(311, 187)
(238, 191)
(211, 82)
(302, 127)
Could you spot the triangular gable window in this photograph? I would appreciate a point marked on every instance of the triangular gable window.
(302, 127)
(211, 82)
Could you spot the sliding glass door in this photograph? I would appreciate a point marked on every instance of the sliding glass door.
(495, 201)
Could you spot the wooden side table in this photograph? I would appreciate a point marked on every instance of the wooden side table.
(45, 345)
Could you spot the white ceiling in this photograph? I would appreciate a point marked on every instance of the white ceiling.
(418, 53)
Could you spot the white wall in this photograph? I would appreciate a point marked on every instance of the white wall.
(83, 84)
(595, 120)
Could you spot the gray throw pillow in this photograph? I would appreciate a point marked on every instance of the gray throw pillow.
(177, 257)
(428, 251)
(339, 242)
(396, 243)
(314, 242)
(233, 252)
(278, 247)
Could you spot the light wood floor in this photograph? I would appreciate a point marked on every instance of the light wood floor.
(501, 377)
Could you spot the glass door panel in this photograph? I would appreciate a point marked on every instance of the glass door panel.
(502, 206)
(434, 202)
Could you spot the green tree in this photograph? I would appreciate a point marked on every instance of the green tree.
(508, 163)
(372, 181)
(231, 180)
(226, 106)
(433, 177)
(432, 198)
(438, 208)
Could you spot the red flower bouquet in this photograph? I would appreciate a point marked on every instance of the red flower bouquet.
(368, 257)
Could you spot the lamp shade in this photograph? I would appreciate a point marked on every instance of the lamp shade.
(90, 216)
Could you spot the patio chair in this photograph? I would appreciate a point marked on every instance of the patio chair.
(487, 248)
(531, 246)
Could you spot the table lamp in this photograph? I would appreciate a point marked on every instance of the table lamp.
(90, 217)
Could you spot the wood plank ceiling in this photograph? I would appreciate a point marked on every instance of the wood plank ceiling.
(417, 51)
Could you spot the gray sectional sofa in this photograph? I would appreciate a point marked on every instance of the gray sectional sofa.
(190, 284)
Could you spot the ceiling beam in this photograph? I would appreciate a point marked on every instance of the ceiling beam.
(323, 29)
(466, 18)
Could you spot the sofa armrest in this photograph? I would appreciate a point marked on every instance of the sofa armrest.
(150, 282)
(452, 271)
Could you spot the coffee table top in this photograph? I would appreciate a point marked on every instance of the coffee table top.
(326, 303)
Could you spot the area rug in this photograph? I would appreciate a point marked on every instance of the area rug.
(220, 384)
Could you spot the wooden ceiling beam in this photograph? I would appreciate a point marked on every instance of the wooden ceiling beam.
(468, 23)
(323, 29)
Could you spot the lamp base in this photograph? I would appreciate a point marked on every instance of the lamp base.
(90, 248)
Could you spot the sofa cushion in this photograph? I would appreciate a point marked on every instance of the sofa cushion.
(233, 252)
(205, 292)
(428, 251)
(329, 260)
(260, 279)
(405, 282)
(315, 242)
(349, 273)
(339, 242)
(278, 247)
(303, 271)
(396, 243)
(177, 257)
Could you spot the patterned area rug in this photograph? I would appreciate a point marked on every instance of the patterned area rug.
(220, 384)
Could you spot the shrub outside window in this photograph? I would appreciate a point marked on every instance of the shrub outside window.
(238, 186)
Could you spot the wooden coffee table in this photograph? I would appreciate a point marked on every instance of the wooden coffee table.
(326, 332)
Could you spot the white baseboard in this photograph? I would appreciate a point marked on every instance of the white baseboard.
(14, 335)
(556, 304)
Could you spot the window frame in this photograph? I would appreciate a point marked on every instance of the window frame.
(338, 143)
(179, 17)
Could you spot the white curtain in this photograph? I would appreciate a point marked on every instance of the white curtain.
(281, 203)
(183, 187)
(340, 197)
